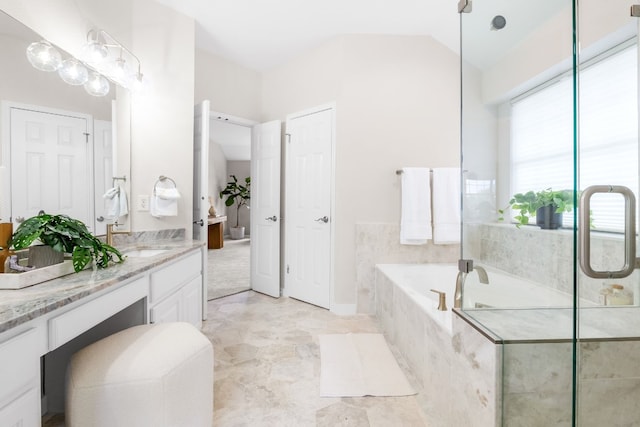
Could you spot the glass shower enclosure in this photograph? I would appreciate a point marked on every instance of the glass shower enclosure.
(549, 140)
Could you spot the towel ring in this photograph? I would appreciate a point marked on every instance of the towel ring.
(163, 178)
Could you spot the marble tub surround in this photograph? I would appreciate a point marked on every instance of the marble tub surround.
(546, 257)
(379, 243)
(21, 305)
(456, 370)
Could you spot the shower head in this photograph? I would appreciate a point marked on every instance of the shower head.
(498, 22)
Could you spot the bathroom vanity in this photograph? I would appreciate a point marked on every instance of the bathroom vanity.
(155, 284)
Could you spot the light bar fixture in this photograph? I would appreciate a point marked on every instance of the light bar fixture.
(103, 58)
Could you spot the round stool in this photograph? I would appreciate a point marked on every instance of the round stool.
(148, 375)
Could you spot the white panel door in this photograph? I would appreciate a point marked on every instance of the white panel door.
(51, 165)
(265, 208)
(308, 207)
(200, 170)
(201, 187)
(103, 170)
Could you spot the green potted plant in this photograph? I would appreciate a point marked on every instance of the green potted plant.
(239, 195)
(546, 205)
(65, 235)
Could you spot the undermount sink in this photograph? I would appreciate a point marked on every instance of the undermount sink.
(144, 253)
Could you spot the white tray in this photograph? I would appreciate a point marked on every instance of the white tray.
(32, 277)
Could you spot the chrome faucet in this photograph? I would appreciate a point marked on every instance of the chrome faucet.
(465, 267)
(111, 233)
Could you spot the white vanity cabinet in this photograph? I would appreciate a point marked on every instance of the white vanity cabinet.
(154, 290)
(20, 377)
(175, 291)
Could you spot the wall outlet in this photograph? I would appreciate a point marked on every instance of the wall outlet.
(143, 202)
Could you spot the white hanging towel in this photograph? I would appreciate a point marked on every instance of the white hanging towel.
(116, 204)
(164, 202)
(446, 206)
(123, 202)
(415, 222)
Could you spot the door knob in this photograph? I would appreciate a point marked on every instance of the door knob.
(272, 218)
(201, 222)
(324, 219)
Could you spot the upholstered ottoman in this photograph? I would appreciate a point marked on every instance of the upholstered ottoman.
(149, 375)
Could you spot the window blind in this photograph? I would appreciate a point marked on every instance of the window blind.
(542, 135)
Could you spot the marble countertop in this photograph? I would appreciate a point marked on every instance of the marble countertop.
(18, 306)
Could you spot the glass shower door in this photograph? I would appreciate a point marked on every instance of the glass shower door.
(607, 373)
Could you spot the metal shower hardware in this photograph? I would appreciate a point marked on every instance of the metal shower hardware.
(584, 232)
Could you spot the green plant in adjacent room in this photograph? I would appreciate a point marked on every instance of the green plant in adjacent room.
(237, 193)
(66, 235)
(527, 204)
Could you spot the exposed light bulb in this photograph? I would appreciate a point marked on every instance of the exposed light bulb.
(97, 85)
(94, 53)
(73, 72)
(43, 56)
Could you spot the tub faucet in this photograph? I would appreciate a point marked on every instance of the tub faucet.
(465, 267)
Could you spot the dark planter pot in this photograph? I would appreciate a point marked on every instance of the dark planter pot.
(547, 218)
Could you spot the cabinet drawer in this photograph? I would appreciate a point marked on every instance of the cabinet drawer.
(23, 411)
(74, 322)
(20, 363)
(167, 279)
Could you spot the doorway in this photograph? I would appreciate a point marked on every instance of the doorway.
(229, 154)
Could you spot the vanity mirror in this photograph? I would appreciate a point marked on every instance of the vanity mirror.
(61, 147)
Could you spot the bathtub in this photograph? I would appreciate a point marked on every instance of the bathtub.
(503, 291)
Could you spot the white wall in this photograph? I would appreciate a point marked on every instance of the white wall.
(241, 169)
(231, 88)
(162, 117)
(397, 102)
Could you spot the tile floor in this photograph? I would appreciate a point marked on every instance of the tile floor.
(267, 367)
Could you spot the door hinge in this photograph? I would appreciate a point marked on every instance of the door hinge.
(86, 137)
(288, 135)
(287, 268)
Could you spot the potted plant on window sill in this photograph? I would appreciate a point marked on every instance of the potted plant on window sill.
(547, 206)
(65, 235)
(240, 195)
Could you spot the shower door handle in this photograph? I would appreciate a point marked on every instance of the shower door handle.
(584, 231)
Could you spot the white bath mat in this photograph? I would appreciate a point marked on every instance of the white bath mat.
(359, 365)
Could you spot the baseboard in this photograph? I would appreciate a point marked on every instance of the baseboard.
(343, 309)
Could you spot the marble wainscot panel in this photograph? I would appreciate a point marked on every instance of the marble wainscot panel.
(18, 306)
(456, 369)
(546, 257)
(379, 243)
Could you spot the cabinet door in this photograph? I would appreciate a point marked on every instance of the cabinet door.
(168, 310)
(192, 302)
(23, 411)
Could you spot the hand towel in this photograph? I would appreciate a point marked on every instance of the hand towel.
(111, 203)
(415, 222)
(446, 206)
(123, 202)
(116, 203)
(164, 202)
